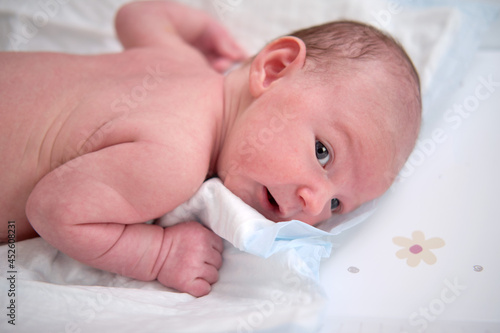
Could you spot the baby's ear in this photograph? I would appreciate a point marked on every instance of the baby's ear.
(277, 59)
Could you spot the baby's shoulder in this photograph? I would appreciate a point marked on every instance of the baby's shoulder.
(180, 58)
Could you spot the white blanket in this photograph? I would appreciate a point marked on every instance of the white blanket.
(280, 293)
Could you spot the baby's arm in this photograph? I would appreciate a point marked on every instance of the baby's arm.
(91, 208)
(165, 24)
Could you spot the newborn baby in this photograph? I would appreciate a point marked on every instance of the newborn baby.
(315, 124)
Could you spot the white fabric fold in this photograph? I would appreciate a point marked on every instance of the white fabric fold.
(246, 229)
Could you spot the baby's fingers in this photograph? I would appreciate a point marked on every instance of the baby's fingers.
(199, 287)
(214, 259)
(225, 44)
(210, 274)
(202, 285)
(217, 243)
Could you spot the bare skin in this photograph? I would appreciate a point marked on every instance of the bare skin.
(96, 145)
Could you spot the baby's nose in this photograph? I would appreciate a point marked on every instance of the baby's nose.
(313, 200)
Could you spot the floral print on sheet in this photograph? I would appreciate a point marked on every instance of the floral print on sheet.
(418, 248)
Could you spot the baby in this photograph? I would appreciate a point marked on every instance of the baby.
(315, 124)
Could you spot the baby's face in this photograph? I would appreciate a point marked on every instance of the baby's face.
(305, 152)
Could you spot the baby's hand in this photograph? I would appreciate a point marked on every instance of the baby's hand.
(152, 23)
(193, 260)
(219, 47)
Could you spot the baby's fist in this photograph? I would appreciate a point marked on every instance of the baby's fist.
(194, 258)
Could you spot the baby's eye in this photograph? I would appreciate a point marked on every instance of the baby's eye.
(334, 204)
(322, 153)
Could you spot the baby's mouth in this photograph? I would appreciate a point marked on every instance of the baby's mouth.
(272, 201)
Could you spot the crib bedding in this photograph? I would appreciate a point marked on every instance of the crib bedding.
(425, 260)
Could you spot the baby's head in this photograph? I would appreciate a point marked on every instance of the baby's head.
(322, 121)
(346, 48)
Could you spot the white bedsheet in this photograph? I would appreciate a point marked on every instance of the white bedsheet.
(364, 287)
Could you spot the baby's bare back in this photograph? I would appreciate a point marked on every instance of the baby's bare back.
(55, 108)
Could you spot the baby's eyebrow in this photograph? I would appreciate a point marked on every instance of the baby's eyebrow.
(343, 139)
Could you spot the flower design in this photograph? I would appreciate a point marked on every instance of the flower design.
(418, 248)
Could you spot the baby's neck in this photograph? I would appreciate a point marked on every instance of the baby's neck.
(235, 100)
